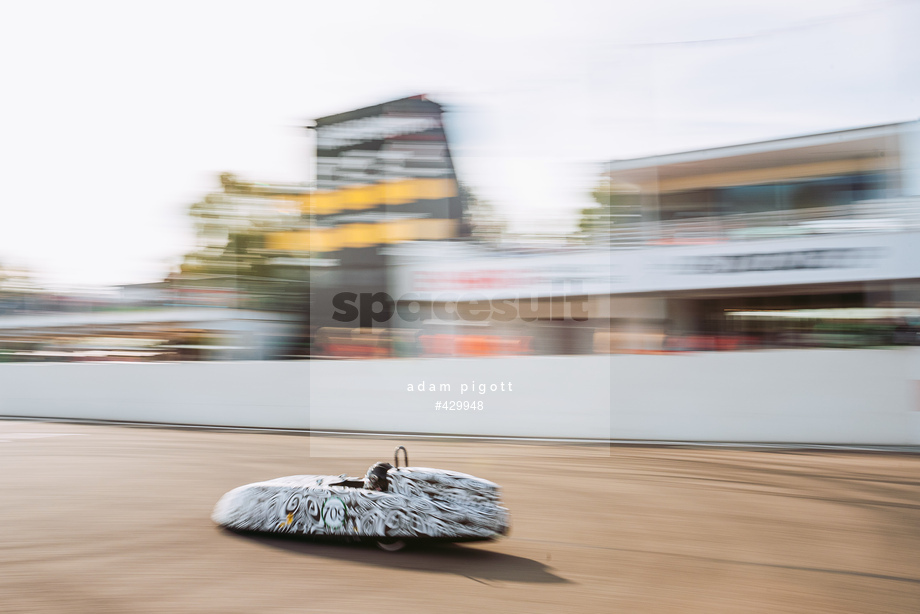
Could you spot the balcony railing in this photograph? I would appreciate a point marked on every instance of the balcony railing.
(889, 215)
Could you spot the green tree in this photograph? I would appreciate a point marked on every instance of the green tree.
(617, 205)
(485, 222)
(230, 227)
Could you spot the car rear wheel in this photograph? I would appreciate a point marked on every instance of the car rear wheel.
(391, 545)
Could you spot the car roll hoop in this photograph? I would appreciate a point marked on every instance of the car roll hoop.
(396, 457)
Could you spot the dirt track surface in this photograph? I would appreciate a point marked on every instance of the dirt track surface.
(116, 519)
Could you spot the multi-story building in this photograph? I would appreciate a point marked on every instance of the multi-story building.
(384, 176)
(812, 240)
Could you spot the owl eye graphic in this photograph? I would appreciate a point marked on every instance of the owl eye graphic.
(293, 504)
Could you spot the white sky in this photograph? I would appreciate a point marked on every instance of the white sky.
(118, 115)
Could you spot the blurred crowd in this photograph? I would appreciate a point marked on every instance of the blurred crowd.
(152, 324)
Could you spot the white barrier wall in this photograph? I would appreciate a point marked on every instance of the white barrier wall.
(794, 396)
(256, 394)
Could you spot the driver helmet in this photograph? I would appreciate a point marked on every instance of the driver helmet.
(376, 478)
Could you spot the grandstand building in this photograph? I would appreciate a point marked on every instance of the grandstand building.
(812, 240)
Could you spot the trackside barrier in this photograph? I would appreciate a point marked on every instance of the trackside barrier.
(868, 397)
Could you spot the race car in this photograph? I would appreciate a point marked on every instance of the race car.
(391, 506)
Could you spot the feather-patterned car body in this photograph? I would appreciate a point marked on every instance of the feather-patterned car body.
(417, 503)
